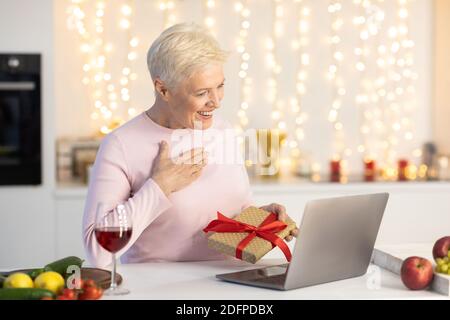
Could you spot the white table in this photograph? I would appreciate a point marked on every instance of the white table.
(196, 280)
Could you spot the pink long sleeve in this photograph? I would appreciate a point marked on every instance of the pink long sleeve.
(164, 228)
(111, 185)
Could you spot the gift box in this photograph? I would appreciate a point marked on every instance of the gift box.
(250, 235)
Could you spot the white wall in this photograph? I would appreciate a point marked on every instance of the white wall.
(27, 218)
(74, 106)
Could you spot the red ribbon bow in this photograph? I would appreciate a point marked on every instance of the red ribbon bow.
(265, 230)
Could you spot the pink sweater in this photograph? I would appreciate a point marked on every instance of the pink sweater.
(164, 228)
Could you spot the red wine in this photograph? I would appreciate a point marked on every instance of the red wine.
(113, 238)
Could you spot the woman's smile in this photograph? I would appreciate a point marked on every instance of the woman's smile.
(204, 115)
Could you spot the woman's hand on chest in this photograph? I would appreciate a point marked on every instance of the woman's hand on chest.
(174, 174)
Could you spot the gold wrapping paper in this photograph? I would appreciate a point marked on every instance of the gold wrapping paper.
(227, 242)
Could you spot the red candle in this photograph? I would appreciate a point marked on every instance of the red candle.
(335, 170)
(402, 165)
(369, 170)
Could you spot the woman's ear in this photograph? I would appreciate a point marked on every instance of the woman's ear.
(161, 88)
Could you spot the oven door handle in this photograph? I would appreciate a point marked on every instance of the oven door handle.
(17, 86)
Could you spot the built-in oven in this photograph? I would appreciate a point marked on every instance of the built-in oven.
(20, 119)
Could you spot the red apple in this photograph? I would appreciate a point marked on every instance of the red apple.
(416, 273)
(441, 248)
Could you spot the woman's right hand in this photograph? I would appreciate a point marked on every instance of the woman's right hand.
(174, 174)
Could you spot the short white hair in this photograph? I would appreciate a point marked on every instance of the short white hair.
(180, 51)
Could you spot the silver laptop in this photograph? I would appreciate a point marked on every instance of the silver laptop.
(335, 242)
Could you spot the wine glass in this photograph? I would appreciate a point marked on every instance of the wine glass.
(113, 229)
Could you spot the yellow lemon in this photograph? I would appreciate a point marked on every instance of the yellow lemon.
(50, 280)
(18, 280)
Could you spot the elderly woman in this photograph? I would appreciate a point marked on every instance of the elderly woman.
(170, 201)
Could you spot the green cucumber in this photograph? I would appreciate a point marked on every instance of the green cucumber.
(25, 294)
(61, 265)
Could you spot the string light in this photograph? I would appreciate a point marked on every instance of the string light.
(399, 93)
(334, 9)
(386, 92)
(274, 66)
(168, 8)
(379, 98)
(389, 98)
(127, 76)
(368, 22)
(407, 88)
(300, 45)
(98, 78)
(209, 21)
(93, 48)
(383, 100)
(243, 10)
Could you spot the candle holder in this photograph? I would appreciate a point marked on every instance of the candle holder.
(369, 170)
(335, 170)
(402, 169)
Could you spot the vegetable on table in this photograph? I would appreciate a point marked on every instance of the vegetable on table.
(59, 266)
(25, 294)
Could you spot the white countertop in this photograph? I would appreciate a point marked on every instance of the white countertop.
(196, 280)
